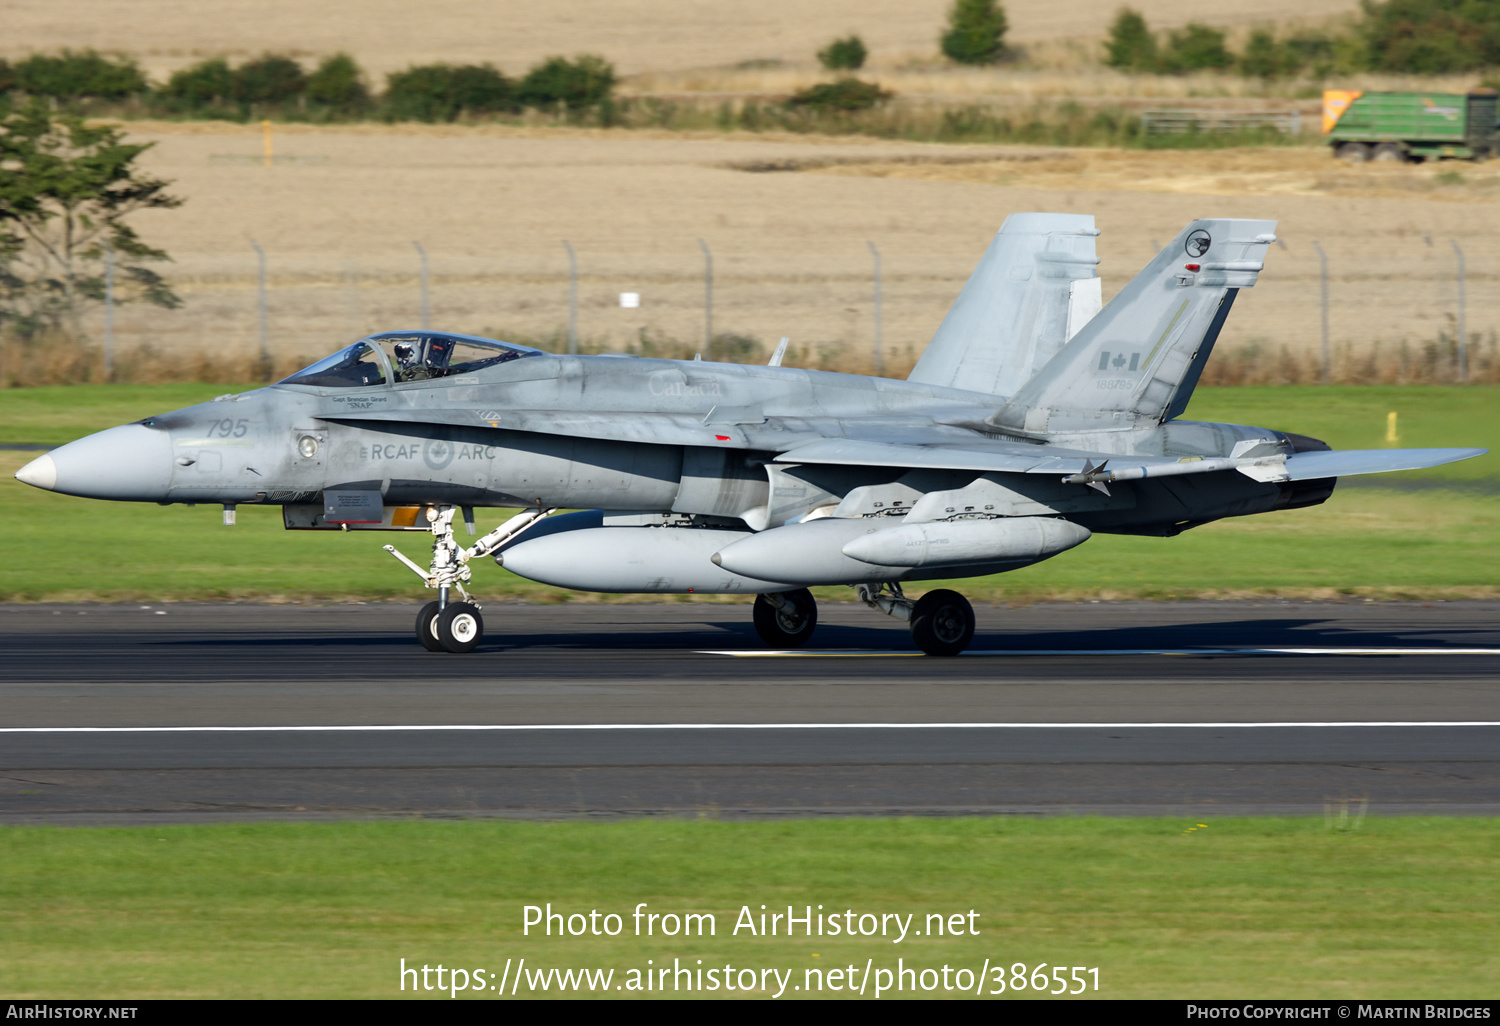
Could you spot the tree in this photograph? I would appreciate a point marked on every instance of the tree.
(269, 80)
(976, 32)
(65, 193)
(1196, 48)
(441, 92)
(207, 86)
(844, 54)
(581, 82)
(1262, 57)
(338, 86)
(1432, 36)
(1131, 45)
(76, 76)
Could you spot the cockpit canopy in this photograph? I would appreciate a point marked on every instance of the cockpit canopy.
(393, 357)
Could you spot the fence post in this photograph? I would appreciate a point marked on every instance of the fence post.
(572, 299)
(351, 295)
(1463, 326)
(879, 358)
(1323, 273)
(426, 306)
(265, 352)
(708, 300)
(109, 313)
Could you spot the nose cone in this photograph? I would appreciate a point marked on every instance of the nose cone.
(130, 462)
(39, 473)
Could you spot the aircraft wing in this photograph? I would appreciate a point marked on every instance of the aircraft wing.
(1309, 466)
(1086, 467)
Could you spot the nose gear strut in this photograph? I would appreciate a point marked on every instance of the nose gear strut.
(457, 626)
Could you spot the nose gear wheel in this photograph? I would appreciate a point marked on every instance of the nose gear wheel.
(426, 621)
(459, 627)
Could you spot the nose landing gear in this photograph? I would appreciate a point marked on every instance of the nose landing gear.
(457, 627)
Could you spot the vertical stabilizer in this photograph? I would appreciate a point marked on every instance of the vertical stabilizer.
(1018, 307)
(1139, 359)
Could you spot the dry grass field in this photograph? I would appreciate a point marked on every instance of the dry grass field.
(638, 35)
(339, 211)
(492, 204)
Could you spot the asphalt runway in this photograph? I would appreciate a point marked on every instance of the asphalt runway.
(183, 713)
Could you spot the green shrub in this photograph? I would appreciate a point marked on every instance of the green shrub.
(338, 86)
(844, 54)
(976, 32)
(480, 89)
(7, 77)
(74, 76)
(1262, 57)
(581, 82)
(1315, 52)
(1131, 46)
(847, 94)
(1432, 36)
(441, 92)
(203, 87)
(1196, 48)
(271, 80)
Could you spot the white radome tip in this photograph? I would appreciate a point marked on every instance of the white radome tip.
(39, 473)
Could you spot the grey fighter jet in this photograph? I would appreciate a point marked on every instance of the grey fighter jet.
(1033, 419)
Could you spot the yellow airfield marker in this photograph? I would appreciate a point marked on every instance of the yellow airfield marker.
(1390, 428)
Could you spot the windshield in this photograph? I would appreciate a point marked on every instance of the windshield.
(352, 367)
(422, 355)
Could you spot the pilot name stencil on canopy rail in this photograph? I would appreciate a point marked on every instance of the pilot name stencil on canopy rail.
(1036, 417)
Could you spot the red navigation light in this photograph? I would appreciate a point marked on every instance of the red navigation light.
(1192, 267)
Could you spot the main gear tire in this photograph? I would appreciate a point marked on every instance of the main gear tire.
(783, 628)
(426, 620)
(942, 623)
(459, 627)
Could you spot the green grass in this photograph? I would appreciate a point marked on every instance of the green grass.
(1439, 542)
(1243, 908)
(54, 414)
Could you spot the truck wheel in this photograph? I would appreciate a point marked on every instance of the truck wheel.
(1389, 153)
(1353, 153)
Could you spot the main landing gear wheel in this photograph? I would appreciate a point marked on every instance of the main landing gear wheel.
(942, 623)
(426, 621)
(786, 619)
(459, 627)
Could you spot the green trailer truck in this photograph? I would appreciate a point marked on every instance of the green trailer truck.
(1364, 126)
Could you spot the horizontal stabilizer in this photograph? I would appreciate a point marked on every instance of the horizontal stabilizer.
(1311, 466)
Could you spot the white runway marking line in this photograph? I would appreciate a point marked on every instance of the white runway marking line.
(518, 727)
(852, 654)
